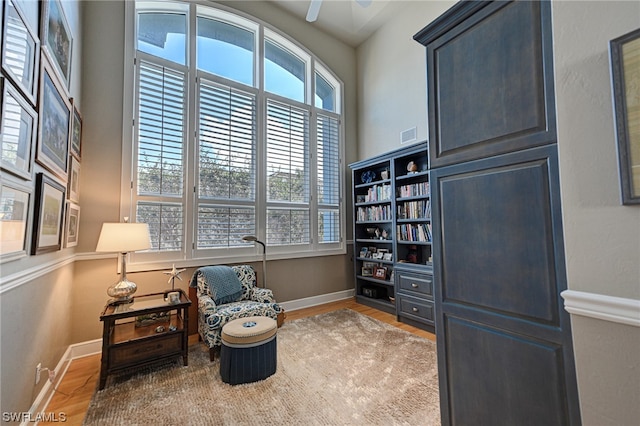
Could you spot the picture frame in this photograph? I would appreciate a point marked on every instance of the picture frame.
(72, 222)
(624, 54)
(73, 184)
(55, 120)
(57, 39)
(20, 50)
(380, 272)
(17, 132)
(14, 220)
(367, 271)
(76, 132)
(48, 215)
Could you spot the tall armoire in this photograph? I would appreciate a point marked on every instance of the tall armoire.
(505, 351)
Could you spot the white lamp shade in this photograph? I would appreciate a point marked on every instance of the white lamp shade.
(123, 237)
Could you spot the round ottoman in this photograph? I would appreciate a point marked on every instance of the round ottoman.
(249, 350)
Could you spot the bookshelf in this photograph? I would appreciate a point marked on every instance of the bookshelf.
(392, 234)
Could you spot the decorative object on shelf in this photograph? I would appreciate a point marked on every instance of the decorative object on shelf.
(160, 329)
(384, 174)
(173, 274)
(173, 298)
(254, 239)
(151, 319)
(122, 238)
(412, 167)
(380, 272)
(412, 256)
(625, 74)
(368, 176)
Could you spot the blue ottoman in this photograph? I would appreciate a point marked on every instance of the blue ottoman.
(249, 350)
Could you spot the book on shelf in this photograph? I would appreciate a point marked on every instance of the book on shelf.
(414, 232)
(420, 189)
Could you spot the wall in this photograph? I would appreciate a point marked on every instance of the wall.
(100, 188)
(602, 237)
(35, 291)
(392, 80)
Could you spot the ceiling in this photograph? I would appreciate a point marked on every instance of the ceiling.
(345, 19)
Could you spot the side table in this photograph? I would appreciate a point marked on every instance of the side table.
(144, 331)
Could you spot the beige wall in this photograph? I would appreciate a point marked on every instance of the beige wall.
(602, 237)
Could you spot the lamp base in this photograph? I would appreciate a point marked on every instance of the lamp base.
(122, 291)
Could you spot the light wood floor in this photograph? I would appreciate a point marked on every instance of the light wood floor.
(79, 383)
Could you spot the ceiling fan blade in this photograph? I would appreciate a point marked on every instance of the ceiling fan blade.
(314, 10)
(364, 3)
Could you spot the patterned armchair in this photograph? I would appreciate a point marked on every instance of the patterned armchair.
(254, 301)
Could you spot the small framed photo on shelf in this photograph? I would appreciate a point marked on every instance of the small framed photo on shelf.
(367, 271)
(363, 252)
(388, 257)
(380, 272)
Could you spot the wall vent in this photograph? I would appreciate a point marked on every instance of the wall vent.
(409, 135)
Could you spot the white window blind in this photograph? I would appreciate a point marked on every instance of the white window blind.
(287, 174)
(160, 154)
(328, 175)
(227, 165)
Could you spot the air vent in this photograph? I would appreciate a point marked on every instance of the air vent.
(409, 135)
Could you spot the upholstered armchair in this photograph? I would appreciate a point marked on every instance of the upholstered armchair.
(212, 316)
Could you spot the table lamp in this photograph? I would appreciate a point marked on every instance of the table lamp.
(264, 257)
(123, 238)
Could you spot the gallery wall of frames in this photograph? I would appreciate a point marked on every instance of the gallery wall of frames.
(41, 131)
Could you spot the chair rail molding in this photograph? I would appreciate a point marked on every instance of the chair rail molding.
(608, 308)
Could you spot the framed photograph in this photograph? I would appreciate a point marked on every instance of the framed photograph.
(387, 256)
(76, 132)
(55, 113)
(48, 215)
(625, 75)
(17, 132)
(20, 50)
(367, 272)
(74, 180)
(14, 216)
(380, 272)
(72, 222)
(57, 38)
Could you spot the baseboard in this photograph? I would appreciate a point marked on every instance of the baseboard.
(608, 308)
(307, 302)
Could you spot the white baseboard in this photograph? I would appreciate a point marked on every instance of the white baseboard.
(307, 302)
(608, 308)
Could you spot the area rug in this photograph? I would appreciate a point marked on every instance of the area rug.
(338, 368)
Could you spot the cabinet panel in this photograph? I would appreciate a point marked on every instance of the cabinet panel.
(493, 96)
(417, 309)
(509, 379)
(499, 249)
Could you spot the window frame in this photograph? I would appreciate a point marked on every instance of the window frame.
(190, 255)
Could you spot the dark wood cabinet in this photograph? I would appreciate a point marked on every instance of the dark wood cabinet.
(392, 232)
(146, 330)
(505, 353)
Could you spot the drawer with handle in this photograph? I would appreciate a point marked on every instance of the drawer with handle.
(416, 282)
(129, 353)
(416, 308)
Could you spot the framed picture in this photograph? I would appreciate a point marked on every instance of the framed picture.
(14, 216)
(76, 133)
(17, 132)
(625, 75)
(48, 215)
(57, 38)
(20, 50)
(55, 113)
(72, 222)
(74, 180)
(380, 272)
(367, 272)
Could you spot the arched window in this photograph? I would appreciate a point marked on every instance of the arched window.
(237, 131)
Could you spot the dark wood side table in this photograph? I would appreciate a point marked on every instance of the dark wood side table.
(144, 331)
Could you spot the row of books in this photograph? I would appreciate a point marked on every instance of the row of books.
(410, 232)
(414, 190)
(378, 193)
(373, 213)
(420, 209)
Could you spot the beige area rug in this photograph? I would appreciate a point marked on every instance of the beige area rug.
(339, 368)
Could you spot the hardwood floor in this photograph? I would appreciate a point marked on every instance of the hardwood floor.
(74, 392)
